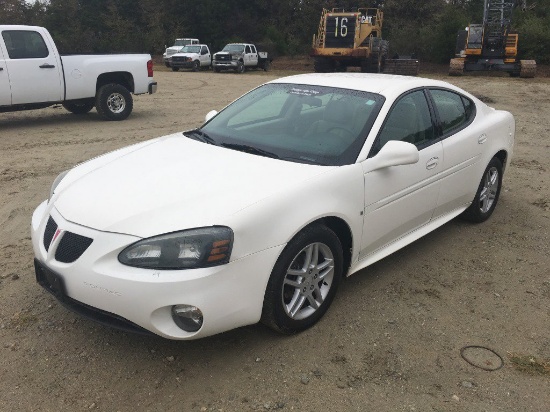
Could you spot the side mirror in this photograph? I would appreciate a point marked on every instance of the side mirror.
(394, 153)
(210, 115)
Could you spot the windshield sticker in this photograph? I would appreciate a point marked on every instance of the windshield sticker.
(303, 92)
(370, 102)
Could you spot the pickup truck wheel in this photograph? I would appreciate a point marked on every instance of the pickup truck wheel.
(240, 67)
(196, 66)
(114, 102)
(80, 107)
(175, 69)
(267, 66)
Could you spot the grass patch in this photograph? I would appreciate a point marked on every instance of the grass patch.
(530, 365)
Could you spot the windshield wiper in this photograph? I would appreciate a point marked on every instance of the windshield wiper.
(199, 135)
(250, 149)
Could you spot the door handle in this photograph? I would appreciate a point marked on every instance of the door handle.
(432, 163)
(47, 66)
(1, 68)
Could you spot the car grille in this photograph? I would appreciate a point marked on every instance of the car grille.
(71, 246)
(223, 57)
(51, 227)
(179, 59)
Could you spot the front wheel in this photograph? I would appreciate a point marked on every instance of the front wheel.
(79, 107)
(304, 280)
(487, 194)
(196, 66)
(240, 67)
(114, 102)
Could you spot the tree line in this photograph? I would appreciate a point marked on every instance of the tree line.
(286, 27)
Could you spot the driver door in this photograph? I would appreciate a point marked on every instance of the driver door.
(401, 199)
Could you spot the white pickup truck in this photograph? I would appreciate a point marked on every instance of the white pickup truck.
(33, 75)
(240, 57)
(194, 57)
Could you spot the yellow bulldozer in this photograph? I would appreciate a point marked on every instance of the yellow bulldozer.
(354, 39)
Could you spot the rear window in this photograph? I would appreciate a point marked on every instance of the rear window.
(455, 111)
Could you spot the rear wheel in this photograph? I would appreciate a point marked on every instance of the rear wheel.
(304, 280)
(487, 194)
(114, 102)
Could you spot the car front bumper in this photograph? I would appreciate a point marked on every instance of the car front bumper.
(225, 64)
(135, 299)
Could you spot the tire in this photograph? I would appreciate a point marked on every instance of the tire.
(196, 66)
(167, 64)
(79, 107)
(295, 286)
(267, 66)
(114, 102)
(217, 70)
(487, 194)
(175, 69)
(240, 67)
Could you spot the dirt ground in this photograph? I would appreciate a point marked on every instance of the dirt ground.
(392, 339)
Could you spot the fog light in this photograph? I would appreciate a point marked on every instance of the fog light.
(187, 317)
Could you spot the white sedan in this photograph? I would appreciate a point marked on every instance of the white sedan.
(258, 214)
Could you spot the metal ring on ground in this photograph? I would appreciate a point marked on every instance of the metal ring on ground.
(490, 369)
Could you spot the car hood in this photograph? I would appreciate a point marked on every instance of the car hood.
(192, 55)
(228, 53)
(169, 184)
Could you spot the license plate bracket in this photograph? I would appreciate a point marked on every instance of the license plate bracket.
(50, 280)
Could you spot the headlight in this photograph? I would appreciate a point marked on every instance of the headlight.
(188, 249)
(56, 182)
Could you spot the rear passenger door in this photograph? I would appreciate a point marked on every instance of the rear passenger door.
(400, 199)
(462, 146)
(5, 92)
(34, 67)
(252, 55)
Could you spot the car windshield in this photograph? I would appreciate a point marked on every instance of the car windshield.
(300, 123)
(234, 48)
(182, 42)
(191, 49)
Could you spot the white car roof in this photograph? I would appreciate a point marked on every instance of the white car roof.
(387, 85)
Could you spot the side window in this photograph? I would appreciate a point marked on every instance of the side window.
(409, 121)
(453, 109)
(204, 51)
(253, 48)
(247, 50)
(23, 44)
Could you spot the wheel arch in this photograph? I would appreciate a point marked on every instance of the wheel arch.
(502, 155)
(343, 231)
(123, 78)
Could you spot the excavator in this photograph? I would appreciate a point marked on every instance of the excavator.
(354, 38)
(492, 46)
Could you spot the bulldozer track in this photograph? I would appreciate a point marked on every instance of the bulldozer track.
(405, 67)
(456, 67)
(528, 69)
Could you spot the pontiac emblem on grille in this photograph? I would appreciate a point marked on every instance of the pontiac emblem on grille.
(56, 235)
